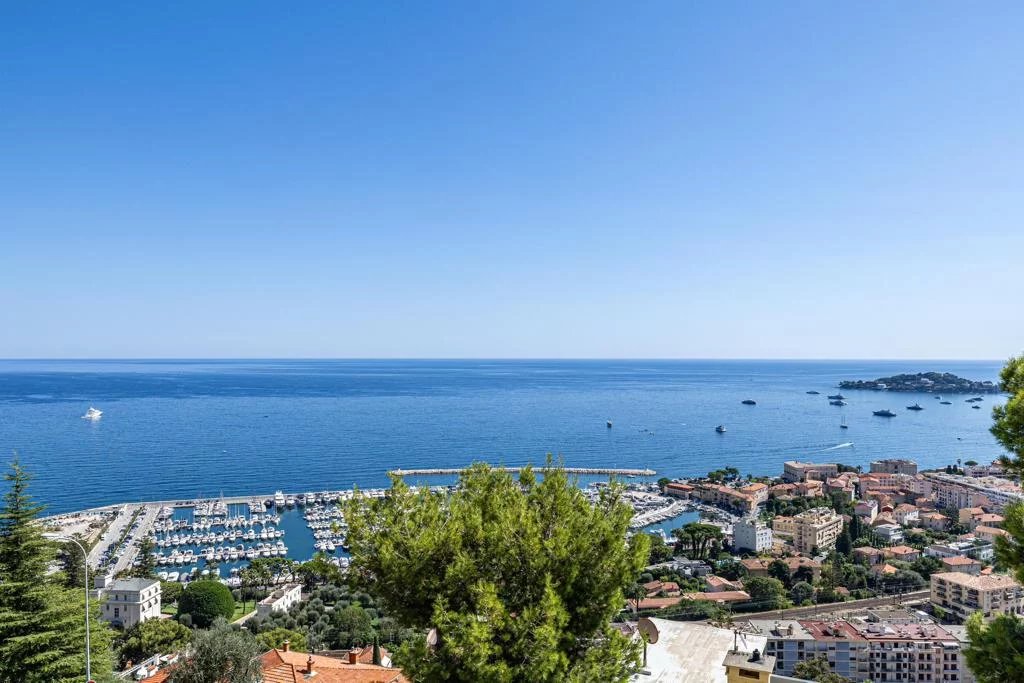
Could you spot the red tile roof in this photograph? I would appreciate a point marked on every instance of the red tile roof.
(292, 667)
(659, 603)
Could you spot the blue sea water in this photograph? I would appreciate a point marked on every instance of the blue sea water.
(179, 429)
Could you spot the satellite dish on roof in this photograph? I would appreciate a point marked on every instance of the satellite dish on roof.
(648, 629)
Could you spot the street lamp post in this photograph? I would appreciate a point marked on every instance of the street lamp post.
(85, 566)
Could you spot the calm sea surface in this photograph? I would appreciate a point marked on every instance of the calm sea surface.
(174, 429)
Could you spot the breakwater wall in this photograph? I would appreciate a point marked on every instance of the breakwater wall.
(569, 470)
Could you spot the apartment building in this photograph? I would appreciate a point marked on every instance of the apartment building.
(964, 594)
(751, 534)
(794, 471)
(727, 497)
(894, 466)
(992, 493)
(867, 648)
(678, 489)
(816, 528)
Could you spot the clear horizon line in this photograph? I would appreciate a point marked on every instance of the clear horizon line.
(498, 358)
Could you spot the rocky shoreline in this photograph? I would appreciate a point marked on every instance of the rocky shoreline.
(932, 382)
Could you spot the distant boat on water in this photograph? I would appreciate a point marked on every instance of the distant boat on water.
(836, 397)
(92, 414)
(884, 413)
(720, 429)
(916, 406)
(976, 406)
(749, 402)
(843, 425)
(609, 423)
(837, 403)
(813, 393)
(945, 403)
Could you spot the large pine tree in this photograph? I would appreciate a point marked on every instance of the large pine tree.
(42, 629)
(995, 654)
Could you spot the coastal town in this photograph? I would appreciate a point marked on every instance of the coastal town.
(879, 567)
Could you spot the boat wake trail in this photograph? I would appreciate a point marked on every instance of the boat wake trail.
(848, 444)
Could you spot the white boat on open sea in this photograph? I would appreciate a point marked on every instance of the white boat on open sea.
(92, 414)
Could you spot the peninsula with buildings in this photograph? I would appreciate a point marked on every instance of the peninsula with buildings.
(931, 382)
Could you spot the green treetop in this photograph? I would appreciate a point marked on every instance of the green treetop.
(146, 569)
(818, 669)
(518, 580)
(152, 637)
(42, 622)
(220, 655)
(1008, 419)
(995, 653)
(275, 638)
(204, 601)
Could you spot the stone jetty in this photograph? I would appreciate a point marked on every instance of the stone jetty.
(570, 470)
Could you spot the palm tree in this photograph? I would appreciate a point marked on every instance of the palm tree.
(636, 593)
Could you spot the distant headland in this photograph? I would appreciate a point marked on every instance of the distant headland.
(934, 382)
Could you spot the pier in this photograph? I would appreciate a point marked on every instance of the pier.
(569, 470)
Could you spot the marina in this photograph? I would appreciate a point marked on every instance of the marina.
(217, 538)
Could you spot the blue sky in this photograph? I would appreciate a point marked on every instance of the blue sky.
(796, 180)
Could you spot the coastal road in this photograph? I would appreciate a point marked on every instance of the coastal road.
(112, 533)
(131, 544)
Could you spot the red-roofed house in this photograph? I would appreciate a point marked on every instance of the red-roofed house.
(987, 519)
(965, 514)
(902, 552)
(674, 488)
(669, 589)
(286, 666)
(936, 521)
(655, 603)
(716, 584)
(871, 556)
(964, 565)
(906, 514)
(988, 533)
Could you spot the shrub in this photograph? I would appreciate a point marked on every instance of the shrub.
(204, 601)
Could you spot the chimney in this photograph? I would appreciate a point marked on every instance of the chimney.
(287, 646)
(353, 656)
(309, 666)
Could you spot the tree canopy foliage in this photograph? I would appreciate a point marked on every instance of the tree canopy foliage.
(1008, 419)
(818, 669)
(42, 620)
(518, 579)
(204, 601)
(698, 540)
(995, 652)
(765, 593)
(275, 639)
(220, 655)
(151, 637)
